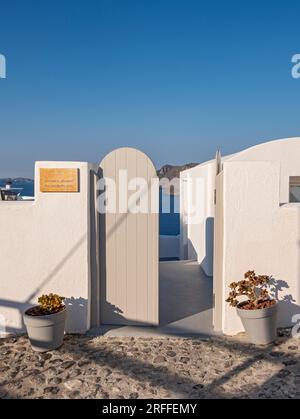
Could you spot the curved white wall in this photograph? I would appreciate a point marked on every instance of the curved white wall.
(285, 151)
(256, 233)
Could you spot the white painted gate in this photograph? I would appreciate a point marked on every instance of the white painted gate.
(129, 244)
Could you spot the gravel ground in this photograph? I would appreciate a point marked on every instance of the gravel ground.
(102, 367)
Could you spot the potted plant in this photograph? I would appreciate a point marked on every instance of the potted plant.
(45, 323)
(258, 312)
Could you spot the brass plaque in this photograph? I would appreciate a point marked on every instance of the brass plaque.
(59, 180)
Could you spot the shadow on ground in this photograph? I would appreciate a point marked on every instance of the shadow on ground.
(102, 367)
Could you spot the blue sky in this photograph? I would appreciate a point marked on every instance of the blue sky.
(175, 78)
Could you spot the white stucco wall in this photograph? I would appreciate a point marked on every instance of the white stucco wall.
(285, 151)
(197, 228)
(45, 248)
(257, 234)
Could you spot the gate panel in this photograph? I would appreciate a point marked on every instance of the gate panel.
(129, 246)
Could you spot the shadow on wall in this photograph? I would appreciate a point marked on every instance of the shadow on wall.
(286, 304)
(207, 262)
(16, 305)
(21, 306)
(76, 314)
(192, 252)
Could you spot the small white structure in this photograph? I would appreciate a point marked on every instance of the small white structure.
(247, 211)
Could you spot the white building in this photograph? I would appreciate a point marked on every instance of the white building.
(238, 213)
(249, 218)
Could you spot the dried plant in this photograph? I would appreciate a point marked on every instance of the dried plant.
(256, 288)
(51, 303)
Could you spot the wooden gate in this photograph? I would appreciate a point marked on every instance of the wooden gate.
(129, 243)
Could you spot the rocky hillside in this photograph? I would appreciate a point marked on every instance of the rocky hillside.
(168, 171)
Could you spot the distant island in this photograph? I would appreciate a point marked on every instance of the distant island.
(17, 180)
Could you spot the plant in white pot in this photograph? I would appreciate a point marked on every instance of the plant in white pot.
(258, 310)
(45, 323)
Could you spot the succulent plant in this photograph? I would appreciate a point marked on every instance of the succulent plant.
(253, 287)
(51, 303)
